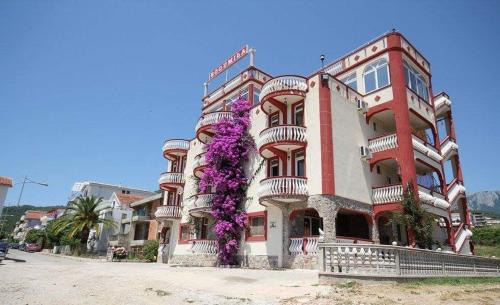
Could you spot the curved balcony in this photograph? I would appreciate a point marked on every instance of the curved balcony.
(456, 190)
(172, 149)
(442, 104)
(448, 148)
(282, 89)
(171, 180)
(284, 137)
(283, 189)
(202, 205)
(168, 212)
(205, 126)
(394, 194)
(199, 165)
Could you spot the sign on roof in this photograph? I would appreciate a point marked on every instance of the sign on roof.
(229, 62)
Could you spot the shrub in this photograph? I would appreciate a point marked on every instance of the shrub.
(488, 235)
(150, 250)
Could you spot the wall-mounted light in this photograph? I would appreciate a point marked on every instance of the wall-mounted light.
(272, 224)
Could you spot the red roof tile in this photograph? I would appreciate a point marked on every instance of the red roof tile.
(31, 214)
(126, 199)
(6, 181)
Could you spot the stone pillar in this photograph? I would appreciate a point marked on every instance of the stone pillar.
(327, 210)
(375, 233)
(285, 235)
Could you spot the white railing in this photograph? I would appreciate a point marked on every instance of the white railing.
(168, 211)
(176, 144)
(212, 118)
(426, 149)
(289, 133)
(381, 260)
(203, 201)
(171, 178)
(383, 143)
(456, 190)
(335, 68)
(432, 198)
(441, 103)
(283, 186)
(303, 245)
(199, 160)
(448, 147)
(462, 235)
(204, 246)
(391, 193)
(283, 83)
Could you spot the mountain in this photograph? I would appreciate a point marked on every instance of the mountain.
(11, 214)
(488, 201)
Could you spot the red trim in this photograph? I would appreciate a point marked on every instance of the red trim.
(248, 237)
(326, 136)
(183, 241)
(270, 119)
(386, 207)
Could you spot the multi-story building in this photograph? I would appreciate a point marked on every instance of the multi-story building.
(336, 150)
(32, 219)
(5, 184)
(478, 219)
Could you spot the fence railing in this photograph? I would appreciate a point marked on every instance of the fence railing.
(284, 133)
(448, 147)
(381, 260)
(426, 149)
(303, 245)
(283, 186)
(168, 212)
(213, 117)
(204, 246)
(283, 83)
(171, 178)
(176, 145)
(383, 143)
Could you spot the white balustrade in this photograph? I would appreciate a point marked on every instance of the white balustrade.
(296, 245)
(426, 149)
(383, 143)
(168, 211)
(462, 235)
(283, 186)
(283, 83)
(334, 68)
(442, 103)
(448, 148)
(432, 198)
(382, 260)
(176, 145)
(311, 246)
(204, 246)
(288, 133)
(455, 191)
(213, 118)
(391, 193)
(204, 201)
(171, 178)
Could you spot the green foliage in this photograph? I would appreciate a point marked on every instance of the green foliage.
(69, 241)
(481, 250)
(35, 236)
(415, 217)
(455, 281)
(487, 235)
(17, 212)
(150, 250)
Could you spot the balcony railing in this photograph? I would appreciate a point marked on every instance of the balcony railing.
(172, 146)
(461, 236)
(284, 83)
(455, 190)
(136, 218)
(303, 245)
(171, 179)
(204, 246)
(382, 260)
(426, 149)
(432, 198)
(204, 201)
(394, 193)
(442, 103)
(168, 212)
(283, 187)
(383, 143)
(199, 161)
(448, 147)
(284, 133)
(212, 118)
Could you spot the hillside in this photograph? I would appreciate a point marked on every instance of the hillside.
(17, 212)
(488, 201)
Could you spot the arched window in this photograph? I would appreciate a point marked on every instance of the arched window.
(416, 82)
(376, 75)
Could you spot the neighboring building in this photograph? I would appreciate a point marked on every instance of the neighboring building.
(116, 203)
(32, 219)
(478, 219)
(338, 149)
(51, 215)
(5, 184)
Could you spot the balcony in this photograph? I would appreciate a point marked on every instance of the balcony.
(202, 205)
(205, 127)
(303, 245)
(140, 218)
(456, 190)
(168, 212)
(118, 239)
(442, 104)
(449, 148)
(383, 143)
(283, 189)
(170, 180)
(284, 137)
(204, 246)
(172, 149)
(394, 194)
(282, 89)
(199, 165)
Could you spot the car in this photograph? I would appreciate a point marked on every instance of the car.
(22, 247)
(33, 247)
(14, 245)
(4, 249)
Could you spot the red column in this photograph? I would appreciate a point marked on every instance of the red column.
(326, 135)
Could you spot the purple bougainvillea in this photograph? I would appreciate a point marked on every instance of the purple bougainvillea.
(226, 156)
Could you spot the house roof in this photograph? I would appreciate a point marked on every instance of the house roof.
(6, 181)
(32, 214)
(127, 199)
(147, 200)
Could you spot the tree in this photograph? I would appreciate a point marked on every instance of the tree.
(81, 216)
(416, 219)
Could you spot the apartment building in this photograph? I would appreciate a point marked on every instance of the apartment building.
(335, 151)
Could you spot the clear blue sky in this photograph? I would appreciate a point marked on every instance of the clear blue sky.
(89, 90)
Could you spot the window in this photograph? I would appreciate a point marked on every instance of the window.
(312, 225)
(378, 170)
(274, 120)
(376, 75)
(256, 93)
(299, 164)
(298, 115)
(184, 233)
(416, 82)
(351, 81)
(274, 168)
(174, 166)
(374, 126)
(257, 226)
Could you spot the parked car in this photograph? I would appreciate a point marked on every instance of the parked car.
(33, 247)
(22, 247)
(14, 245)
(4, 249)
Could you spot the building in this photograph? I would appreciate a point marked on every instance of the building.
(32, 219)
(5, 184)
(115, 203)
(335, 151)
(478, 219)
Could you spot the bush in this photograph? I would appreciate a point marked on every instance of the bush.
(488, 235)
(35, 236)
(150, 250)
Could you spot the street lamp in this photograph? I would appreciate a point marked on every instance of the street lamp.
(27, 180)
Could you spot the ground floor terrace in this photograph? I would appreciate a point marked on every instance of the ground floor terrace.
(36, 278)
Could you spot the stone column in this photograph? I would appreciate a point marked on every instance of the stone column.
(375, 233)
(285, 213)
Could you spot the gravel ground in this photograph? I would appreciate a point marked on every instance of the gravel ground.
(35, 278)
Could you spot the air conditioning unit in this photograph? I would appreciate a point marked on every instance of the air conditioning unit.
(365, 152)
(362, 106)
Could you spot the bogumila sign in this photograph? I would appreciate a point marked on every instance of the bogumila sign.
(229, 62)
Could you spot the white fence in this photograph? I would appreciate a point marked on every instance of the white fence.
(283, 83)
(283, 186)
(284, 133)
(383, 143)
(204, 246)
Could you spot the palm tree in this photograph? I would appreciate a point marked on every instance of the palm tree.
(80, 217)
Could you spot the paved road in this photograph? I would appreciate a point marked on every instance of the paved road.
(35, 278)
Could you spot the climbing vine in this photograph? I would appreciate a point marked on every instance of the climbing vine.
(226, 156)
